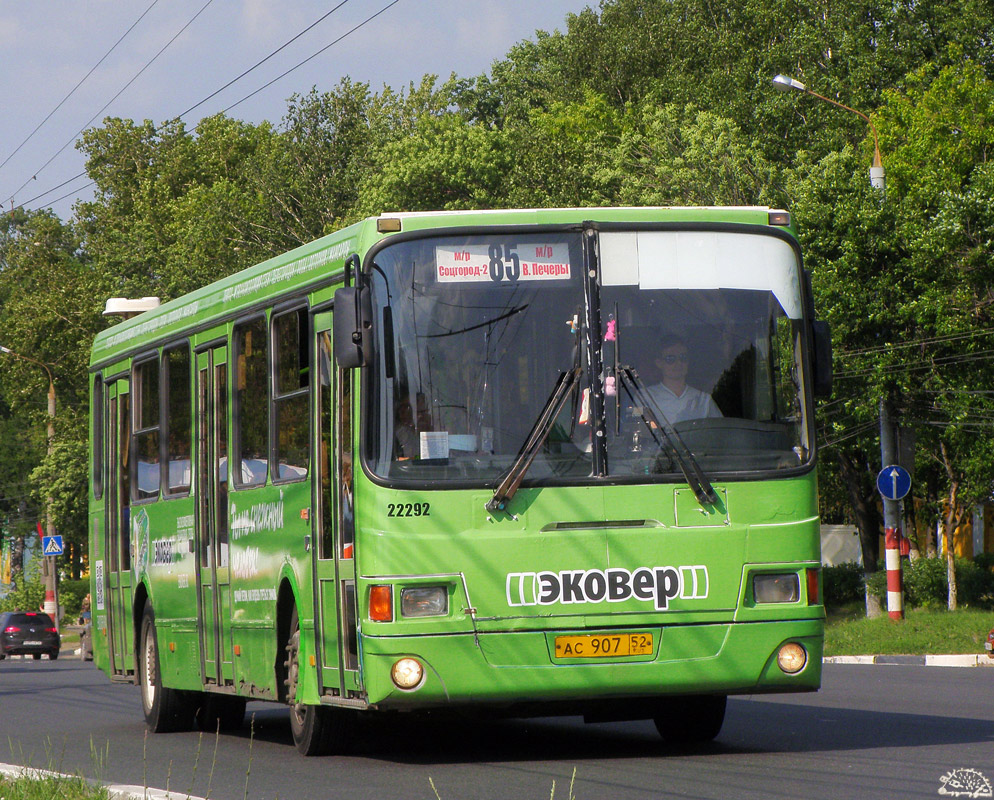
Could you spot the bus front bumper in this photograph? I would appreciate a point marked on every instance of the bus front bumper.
(521, 668)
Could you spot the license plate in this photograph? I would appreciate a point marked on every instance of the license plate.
(606, 645)
(32, 644)
(988, 646)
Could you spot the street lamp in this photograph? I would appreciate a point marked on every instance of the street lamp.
(786, 84)
(892, 509)
(51, 585)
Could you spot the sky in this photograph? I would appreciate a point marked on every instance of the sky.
(154, 59)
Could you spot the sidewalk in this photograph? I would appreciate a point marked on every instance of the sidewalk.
(982, 660)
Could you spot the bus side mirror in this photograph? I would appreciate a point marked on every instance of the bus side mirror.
(822, 358)
(353, 327)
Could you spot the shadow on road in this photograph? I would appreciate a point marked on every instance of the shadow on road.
(751, 726)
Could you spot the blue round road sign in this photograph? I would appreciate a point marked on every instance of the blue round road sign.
(893, 482)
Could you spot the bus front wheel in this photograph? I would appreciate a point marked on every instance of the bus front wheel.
(165, 709)
(690, 720)
(316, 730)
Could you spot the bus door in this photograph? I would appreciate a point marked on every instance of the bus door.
(333, 551)
(211, 540)
(117, 545)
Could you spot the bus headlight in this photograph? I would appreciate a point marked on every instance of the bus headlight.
(424, 601)
(407, 674)
(791, 658)
(776, 588)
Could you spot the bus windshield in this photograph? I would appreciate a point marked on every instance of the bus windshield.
(688, 337)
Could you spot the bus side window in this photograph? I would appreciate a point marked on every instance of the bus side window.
(250, 445)
(178, 419)
(291, 418)
(145, 388)
(97, 437)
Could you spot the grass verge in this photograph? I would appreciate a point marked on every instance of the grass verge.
(45, 788)
(923, 632)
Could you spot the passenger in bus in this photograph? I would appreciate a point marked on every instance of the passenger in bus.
(678, 400)
(407, 428)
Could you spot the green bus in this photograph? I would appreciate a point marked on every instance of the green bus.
(525, 462)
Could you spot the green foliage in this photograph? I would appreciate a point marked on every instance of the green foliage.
(905, 279)
(975, 582)
(842, 584)
(722, 57)
(28, 597)
(926, 585)
(71, 594)
(680, 155)
(443, 164)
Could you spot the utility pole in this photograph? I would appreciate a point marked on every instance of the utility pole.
(892, 518)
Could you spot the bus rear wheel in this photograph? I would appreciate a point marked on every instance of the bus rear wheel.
(317, 730)
(690, 720)
(165, 709)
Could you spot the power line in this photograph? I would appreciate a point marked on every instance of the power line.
(67, 194)
(850, 433)
(56, 188)
(263, 61)
(218, 91)
(959, 391)
(950, 337)
(312, 57)
(123, 89)
(82, 80)
(917, 366)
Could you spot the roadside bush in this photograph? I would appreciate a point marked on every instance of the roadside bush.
(71, 594)
(975, 583)
(842, 584)
(29, 596)
(925, 584)
(985, 561)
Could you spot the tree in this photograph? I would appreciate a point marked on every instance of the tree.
(445, 163)
(721, 57)
(905, 280)
(48, 320)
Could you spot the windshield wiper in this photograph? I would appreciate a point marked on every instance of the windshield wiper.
(656, 421)
(540, 430)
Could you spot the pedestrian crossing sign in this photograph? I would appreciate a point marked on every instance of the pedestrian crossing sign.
(52, 545)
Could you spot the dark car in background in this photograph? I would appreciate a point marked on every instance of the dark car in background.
(28, 633)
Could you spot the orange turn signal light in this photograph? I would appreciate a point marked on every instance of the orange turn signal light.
(381, 603)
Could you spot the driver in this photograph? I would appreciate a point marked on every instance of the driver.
(673, 395)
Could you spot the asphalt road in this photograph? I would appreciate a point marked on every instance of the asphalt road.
(871, 732)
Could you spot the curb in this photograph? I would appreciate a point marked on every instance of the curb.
(915, 661)
(114, 791)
